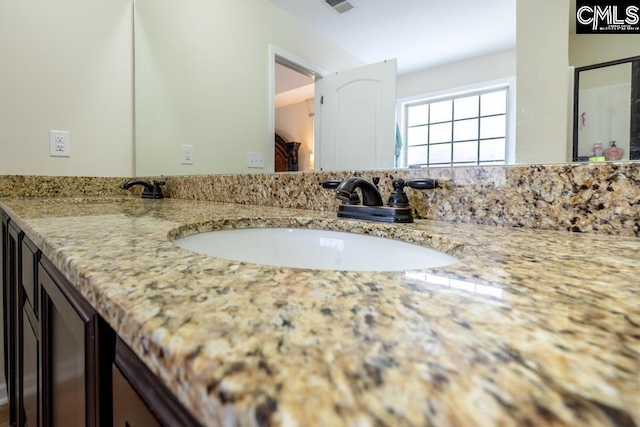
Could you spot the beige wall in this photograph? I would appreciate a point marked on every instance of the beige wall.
(202, 78)
(66, 65)
(476, 70)
(542, 70)
(589, 49)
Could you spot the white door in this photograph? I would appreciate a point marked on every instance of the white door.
(357, 118)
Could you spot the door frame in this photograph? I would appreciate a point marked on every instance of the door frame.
(288, 59)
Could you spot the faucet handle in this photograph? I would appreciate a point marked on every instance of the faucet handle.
(423, 183)
(398, 198)
(156, 192)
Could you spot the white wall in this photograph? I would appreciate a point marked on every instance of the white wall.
(293, 123)
(66, 65)
(542, 70)
(458, 74)
(202, 72)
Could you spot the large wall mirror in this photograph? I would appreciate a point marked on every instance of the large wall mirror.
(205, 70)
(607, 111)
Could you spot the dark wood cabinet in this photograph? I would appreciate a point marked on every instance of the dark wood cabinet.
(76, 392)
(29, 256)
(12, 302)
(60, 364)
(28, 337)
(64, 370)
(139, 398)
(31, 381)
(129, 410)
(6, 275)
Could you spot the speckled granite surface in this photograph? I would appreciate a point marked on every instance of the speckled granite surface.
(530, 328)
(62, 186)
(596, 198)
(599, 198)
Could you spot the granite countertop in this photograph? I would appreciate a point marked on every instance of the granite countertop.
(529, 328)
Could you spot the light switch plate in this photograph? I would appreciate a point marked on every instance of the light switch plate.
(187, 154)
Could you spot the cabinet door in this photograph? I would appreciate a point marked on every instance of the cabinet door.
(66, 330)
(128, 408)
(140, 398)
(28, 337)
(12, 315)
(30, 255)
(30, 370)
(4, 281)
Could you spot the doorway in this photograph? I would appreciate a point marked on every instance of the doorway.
(293, 106)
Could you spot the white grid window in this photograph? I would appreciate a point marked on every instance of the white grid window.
(469, 129)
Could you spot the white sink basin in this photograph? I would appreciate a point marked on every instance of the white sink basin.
(314, 249)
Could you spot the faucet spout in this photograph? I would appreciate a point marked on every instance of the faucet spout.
(147, 186)
(370, 194)
(151, 191)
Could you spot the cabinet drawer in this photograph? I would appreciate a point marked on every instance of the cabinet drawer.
(30, 258)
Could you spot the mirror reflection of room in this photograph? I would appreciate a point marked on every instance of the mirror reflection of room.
(294, 104)
(607, 112)
(187, 91)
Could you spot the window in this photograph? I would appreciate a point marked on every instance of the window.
(469, 129)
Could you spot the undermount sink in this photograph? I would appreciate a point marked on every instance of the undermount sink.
(314, 249)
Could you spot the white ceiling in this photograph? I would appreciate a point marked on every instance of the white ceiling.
(419, 33)
(291, 86)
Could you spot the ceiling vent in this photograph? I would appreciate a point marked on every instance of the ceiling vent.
(340, 6)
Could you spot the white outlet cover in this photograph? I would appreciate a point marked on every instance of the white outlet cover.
(187, 154)
(59, 143)
(255, 160)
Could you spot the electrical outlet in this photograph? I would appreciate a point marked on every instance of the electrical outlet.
(187, 154)
(255, 160)
(59, 143)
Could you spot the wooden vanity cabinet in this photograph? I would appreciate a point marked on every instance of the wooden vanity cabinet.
(58, 351)
(28, 337)
(21, 327)
(8, 256)
(60, 362)
(139, 398)
(76, 346)
(129, 410)
(11, 301)
(30, 395)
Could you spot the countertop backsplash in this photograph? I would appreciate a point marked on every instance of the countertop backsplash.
(596, 198)
(62, 186)
(600, 198)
